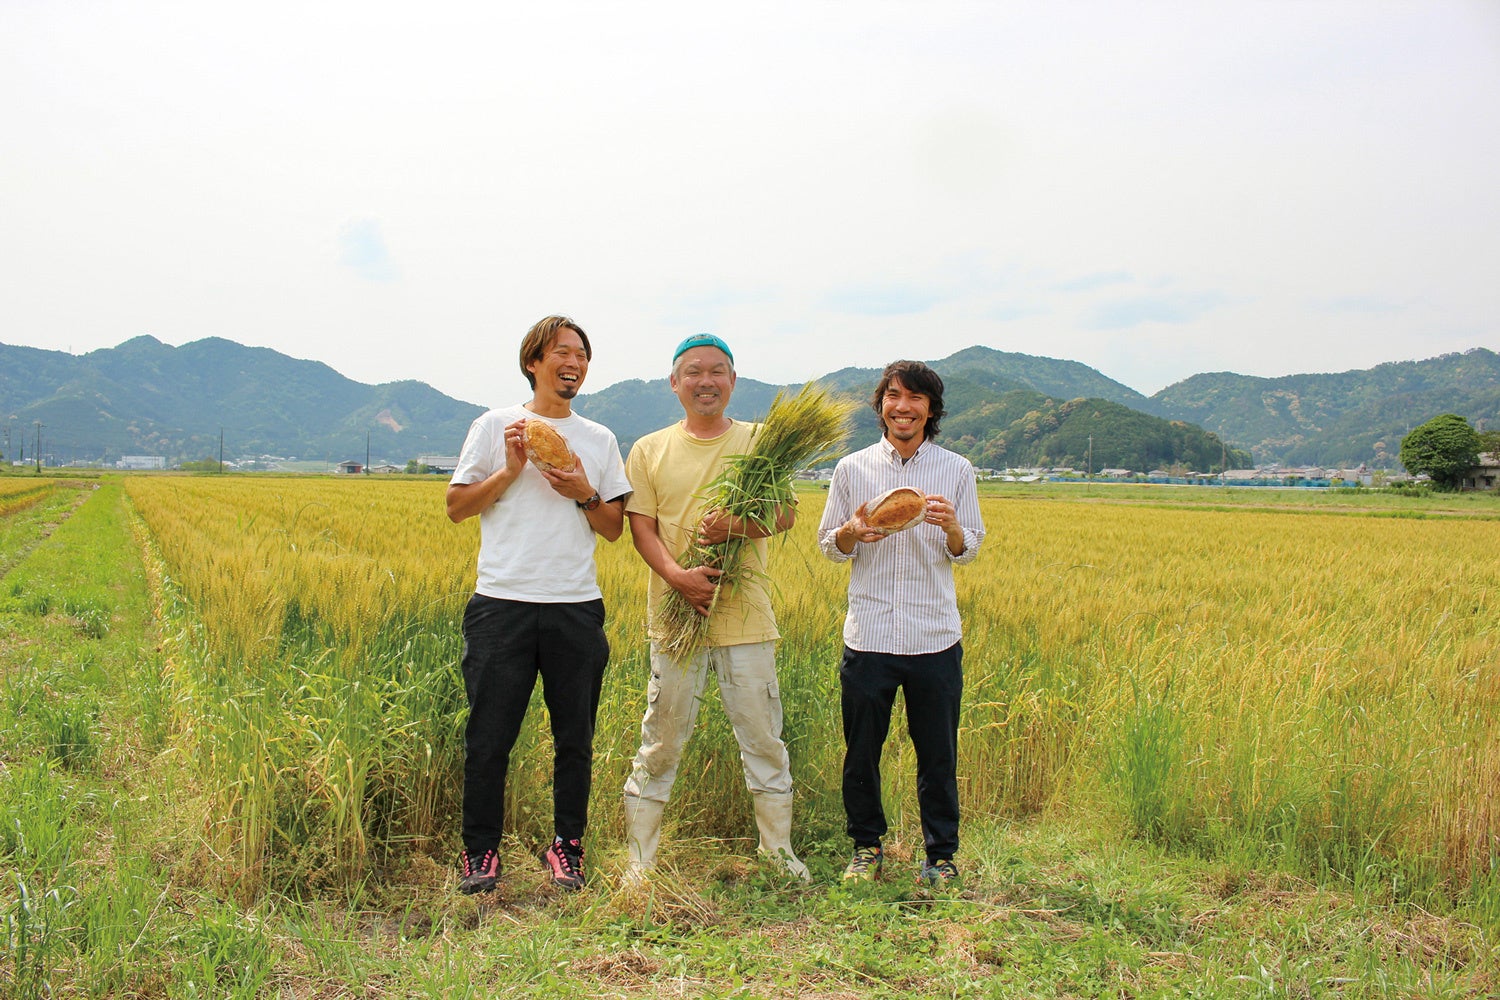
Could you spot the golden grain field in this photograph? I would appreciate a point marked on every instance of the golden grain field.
(1319, 684)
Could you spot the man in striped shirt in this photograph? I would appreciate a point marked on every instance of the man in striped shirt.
(902, 629)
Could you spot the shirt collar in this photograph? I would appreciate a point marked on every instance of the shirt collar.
(892, 455)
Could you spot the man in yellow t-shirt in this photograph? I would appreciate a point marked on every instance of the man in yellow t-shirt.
(668, 469)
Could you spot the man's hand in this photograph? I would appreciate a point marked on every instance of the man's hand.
(855, 530)
(573, 485)
(941, 512)
(697, 586)
(717, 527)
(515, 447)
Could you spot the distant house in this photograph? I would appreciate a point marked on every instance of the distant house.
(138, 462)
(350, 468)
(1483, 476)
(385, 470)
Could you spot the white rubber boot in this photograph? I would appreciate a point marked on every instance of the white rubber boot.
(642, 835)
(773, 815)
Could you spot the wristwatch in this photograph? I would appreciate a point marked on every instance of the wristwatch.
(590, 503)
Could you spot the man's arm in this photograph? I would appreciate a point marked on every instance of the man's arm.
(696, 585)
(842, 527)
(608, 519)
(718, 527)
(968, 526)
(467, 499)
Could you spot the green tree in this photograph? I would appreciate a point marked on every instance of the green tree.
(1445, 447)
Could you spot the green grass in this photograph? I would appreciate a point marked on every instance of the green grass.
(110, 886)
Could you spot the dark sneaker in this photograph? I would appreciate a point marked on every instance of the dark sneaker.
(941, 873)
(564, 859)
(481, 869)
(865, 866)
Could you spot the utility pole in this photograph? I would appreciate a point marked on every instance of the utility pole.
(39, 447)
(1091, 458)
(367, 452)
(221, 451)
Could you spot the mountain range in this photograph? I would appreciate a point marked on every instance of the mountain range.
(145, 397)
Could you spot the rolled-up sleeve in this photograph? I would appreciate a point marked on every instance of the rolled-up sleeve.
(836, 513)
(966, 509)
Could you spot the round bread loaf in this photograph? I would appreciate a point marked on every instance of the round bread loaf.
(546, 448)
(894, 510)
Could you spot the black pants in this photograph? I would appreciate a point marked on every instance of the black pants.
(507, 644)
(933, 684)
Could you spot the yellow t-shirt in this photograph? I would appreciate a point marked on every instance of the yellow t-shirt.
(668, 470)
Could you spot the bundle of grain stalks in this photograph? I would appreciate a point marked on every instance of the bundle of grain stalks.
(797, 432)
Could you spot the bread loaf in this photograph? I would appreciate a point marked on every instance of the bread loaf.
(894, 510)
(546, 448)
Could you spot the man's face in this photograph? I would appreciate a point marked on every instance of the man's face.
(562, 367)
(703, 378)
(904, 412)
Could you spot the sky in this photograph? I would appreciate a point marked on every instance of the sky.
(400, 190)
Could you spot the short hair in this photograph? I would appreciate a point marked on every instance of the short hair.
(542, 336)
(916, 377)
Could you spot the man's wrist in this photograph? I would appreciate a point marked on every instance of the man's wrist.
(591, 503)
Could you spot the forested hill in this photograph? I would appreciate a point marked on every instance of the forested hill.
(997, 417)
(1337, 419)
(145, 397)
(1005, 409)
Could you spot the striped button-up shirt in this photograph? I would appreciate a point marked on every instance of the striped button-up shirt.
(901, 596)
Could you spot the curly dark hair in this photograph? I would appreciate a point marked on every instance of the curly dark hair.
(916, 377)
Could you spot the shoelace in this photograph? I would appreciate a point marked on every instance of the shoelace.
(485, 863)
(570, 853)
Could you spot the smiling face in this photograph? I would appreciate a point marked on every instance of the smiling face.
(904, 413)
(703, 378)
(561, 369)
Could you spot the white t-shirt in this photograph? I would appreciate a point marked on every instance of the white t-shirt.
(534, 544)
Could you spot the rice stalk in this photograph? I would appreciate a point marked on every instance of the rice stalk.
(753, 488)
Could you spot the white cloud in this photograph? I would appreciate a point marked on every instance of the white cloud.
(363, 250)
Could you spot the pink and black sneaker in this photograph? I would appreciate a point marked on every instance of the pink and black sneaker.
(481, 870)
(564, 859)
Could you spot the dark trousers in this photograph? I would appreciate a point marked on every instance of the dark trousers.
(507, 644)
(933, 684)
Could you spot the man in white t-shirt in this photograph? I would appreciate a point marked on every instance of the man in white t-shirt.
(537, 609)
